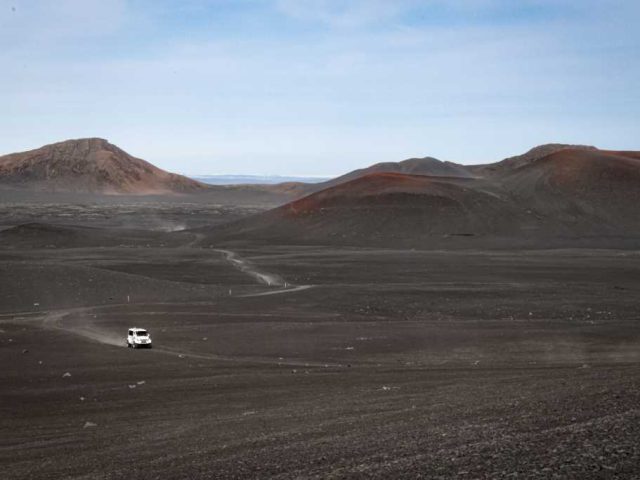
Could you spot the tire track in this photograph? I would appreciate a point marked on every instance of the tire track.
(265, 278)
(268, 279)
(246, 267)
(54, 321)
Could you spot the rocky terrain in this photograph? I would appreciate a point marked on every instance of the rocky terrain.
(358, 363)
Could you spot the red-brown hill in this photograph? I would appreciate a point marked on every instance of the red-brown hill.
(90, 165)
(570, 197)
(589, 190)
(517, 161)
(380, 209)
(427, 166)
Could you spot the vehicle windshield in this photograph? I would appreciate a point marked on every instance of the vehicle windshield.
(141, 333)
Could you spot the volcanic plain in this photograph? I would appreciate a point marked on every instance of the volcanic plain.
(284, 357)
(286, 361)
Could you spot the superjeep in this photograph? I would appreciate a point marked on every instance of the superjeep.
(138, 338)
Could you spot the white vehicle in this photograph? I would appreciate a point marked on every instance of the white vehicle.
(138, 338)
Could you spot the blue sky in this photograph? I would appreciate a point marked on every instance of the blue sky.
(319, 87)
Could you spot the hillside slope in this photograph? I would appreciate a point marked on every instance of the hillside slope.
(427, 166)
(568, 197)
(90, 165)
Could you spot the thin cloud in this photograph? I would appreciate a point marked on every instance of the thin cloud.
(315, 86)
(350, 13)
(60, 19)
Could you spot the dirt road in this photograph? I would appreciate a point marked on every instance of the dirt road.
(269, 279)
(245, 266)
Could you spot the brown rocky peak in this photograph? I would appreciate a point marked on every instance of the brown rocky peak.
(89, 165)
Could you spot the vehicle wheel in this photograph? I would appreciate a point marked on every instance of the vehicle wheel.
(133, 345)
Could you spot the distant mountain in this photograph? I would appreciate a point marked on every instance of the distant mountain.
(254, 179)
(413, 166)
(90, 165)
(298, 187)
(572, 196)
(427, 166)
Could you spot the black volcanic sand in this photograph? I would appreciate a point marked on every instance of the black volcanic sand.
(150, 213)
(389, 364)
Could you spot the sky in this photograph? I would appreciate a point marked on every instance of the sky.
(319, 87)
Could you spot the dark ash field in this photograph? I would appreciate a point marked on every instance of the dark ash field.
(287, 361)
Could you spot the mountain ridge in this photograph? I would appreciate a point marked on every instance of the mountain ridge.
(565, 198)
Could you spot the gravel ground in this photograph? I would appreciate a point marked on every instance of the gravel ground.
(392, 364)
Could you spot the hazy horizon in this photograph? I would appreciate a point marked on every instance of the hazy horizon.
(319, 87)
(230, 179)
